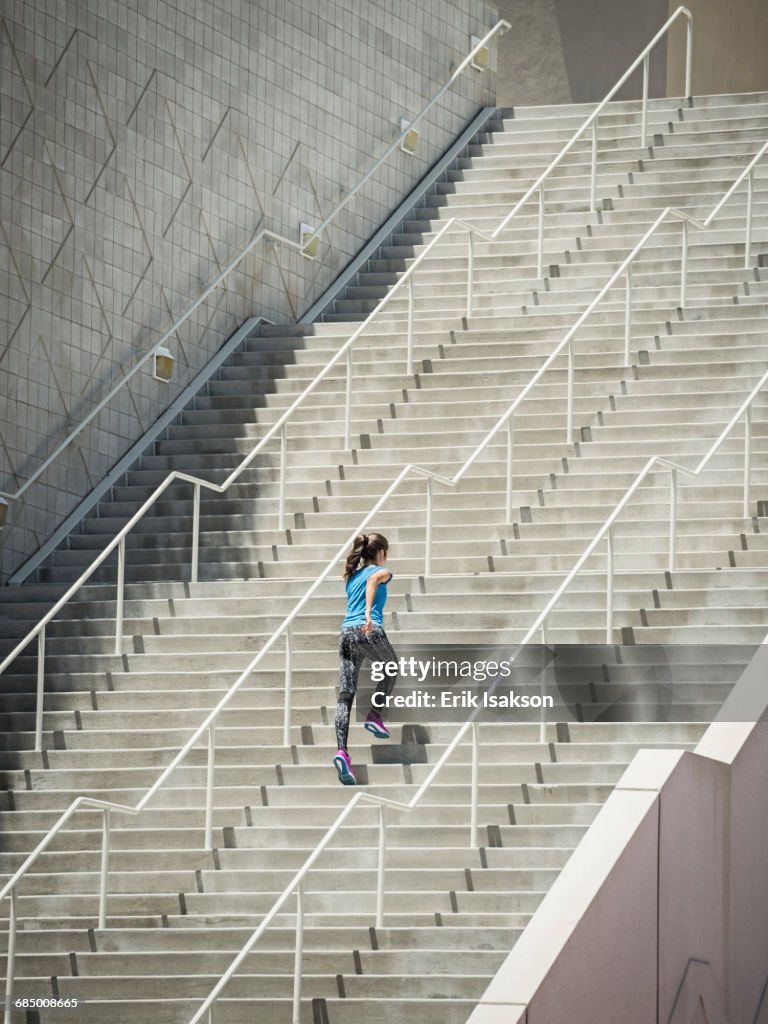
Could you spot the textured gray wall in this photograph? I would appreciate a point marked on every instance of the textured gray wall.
(574, 51)
(141, 145)
(730, 47)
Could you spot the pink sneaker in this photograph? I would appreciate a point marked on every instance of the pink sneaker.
(343, 766)
(374, 724)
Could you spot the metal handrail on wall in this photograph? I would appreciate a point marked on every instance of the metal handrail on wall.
(263, 234)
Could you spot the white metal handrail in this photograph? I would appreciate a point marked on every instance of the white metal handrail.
(207, 727)
(296, 883)
(262, 235)
(657, 462)
(166, 336)
(593, 119)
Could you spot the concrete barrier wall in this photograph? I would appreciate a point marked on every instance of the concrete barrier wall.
(661, 914)
(572, 51)
(730, 46)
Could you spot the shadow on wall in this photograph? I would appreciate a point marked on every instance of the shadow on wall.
(730, 47)
(573, 51)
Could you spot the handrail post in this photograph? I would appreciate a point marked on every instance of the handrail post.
(297, 962)
(475, 783)
(569, 402)
(40, 690)
(748, 239)
(609, 586)
(120, 597)
(288, 685)
(543, 684)
(428, 530)
(195, 534)
(283, 472)
(644, 118)
(688, 58)
(104, 872)
(540, 245)
(11, 959)
(381, 866)
(684, 265)
(470, 271)
(409, 349)
(348, 401)
(209, 779)
(672, 518)
(628, 316)
(747, 457)
(510, 449)
(593, 170)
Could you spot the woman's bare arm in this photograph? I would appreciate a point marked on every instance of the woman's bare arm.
(371, 586)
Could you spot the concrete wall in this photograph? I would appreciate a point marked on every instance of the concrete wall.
(730, 47)
(562, 51)
(141, 145)
(574, 51)
(661, 914)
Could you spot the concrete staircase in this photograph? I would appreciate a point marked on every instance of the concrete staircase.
(519, 320)
(177, 914)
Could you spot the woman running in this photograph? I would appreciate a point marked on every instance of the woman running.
(362, 636)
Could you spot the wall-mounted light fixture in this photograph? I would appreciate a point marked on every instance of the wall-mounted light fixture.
(480, 60)
(410, 140)
(308, 250)
(162, 365)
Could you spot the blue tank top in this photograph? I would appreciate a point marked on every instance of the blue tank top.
(356, 598)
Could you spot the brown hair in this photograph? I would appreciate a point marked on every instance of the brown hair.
(364, 551)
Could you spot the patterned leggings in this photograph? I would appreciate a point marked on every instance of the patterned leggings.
(354, 647)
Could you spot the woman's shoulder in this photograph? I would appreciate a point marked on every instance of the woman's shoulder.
(361, 574)
(365, 573)
(368, 570)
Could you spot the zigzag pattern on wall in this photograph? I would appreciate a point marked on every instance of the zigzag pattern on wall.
(139, 152)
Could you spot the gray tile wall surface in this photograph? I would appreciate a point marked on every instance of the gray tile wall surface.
(141, 146)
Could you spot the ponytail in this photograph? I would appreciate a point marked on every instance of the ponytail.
(364, 551)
